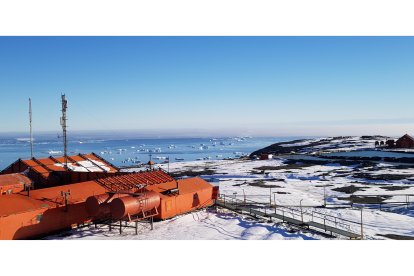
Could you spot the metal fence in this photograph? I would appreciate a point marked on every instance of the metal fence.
(301, 215)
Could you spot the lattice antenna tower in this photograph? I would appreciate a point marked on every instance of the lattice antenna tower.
(63, 123)
(31, 128)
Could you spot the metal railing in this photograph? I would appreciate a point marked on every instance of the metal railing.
(302, 215)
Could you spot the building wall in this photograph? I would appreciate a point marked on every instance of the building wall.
(405, 143)
(37, 223)
(12, 224)
(172, 206)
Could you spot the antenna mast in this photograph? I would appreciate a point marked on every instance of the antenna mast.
(63, 121)
(31, 130)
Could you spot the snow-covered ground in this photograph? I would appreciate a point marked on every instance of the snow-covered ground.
(307, 184)
(286, 181)
(202, 225)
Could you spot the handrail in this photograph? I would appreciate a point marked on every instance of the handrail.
(327, 218)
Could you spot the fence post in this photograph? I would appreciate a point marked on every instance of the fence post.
(270, 198)
(301, 211)
(152, 223)
(362, 226)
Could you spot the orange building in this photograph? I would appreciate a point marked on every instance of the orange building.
(13, 183)
(183, 196)
(52, 171)
(45, 211)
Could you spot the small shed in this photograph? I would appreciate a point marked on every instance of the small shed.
(266, 156)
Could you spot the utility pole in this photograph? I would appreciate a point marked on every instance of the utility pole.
(31, 130)
(63, 123)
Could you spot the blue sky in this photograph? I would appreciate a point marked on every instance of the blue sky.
(240, 85)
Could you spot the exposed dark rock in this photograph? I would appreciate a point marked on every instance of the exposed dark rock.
(394, 188)
(262, 184)
(365, 199)
(191, 173)
(384, 177)
(396, 237)
(349, 189)
(279, 148)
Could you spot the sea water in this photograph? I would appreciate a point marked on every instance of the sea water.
(134, 151)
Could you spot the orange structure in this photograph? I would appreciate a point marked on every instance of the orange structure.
(168, 199)
(129, 197)
(13, 183)
(44, 211)
(53, 171)
(127, 207)
(183, 196)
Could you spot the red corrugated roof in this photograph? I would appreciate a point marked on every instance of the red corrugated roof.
(130, 181)
(77, 163)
